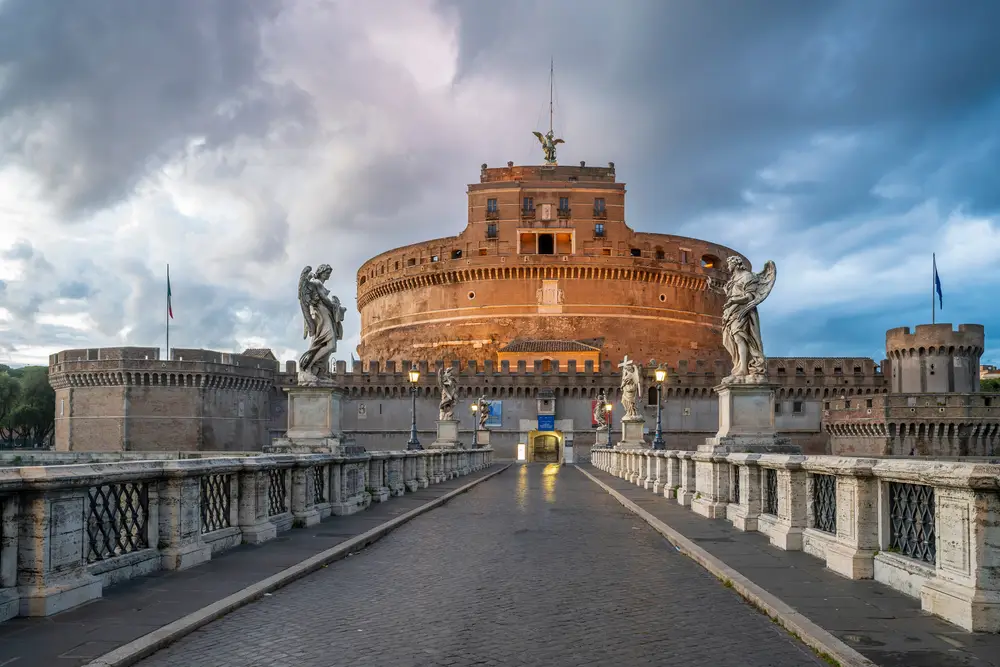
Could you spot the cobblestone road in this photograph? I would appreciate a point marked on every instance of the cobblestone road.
(538, 566)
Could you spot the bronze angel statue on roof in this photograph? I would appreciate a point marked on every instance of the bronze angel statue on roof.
(745, 290)
(323, 322)
(549, 143)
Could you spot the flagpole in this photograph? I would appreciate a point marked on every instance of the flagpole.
(167, 313)
(933, 286)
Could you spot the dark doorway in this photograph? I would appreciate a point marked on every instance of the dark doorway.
(545, 244)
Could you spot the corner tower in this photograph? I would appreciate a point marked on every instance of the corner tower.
(546, 259)
(935, 359)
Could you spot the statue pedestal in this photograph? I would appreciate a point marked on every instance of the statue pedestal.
(313, 423)
(482, 438)
(746, 422)
(447, 435)
(632, 436)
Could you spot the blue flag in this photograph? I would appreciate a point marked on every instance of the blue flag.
(937, 284)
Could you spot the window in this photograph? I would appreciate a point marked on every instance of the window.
(868, 402)
(684, 256)
(599, 229)
(847, 404)
(777, 408)
(651, 396)
(797, 407)
(857, 370)
(838, 371)
(818, 370)
(660, 254)
(411, 261)
(456, 254)
(528, 204)
(491, 230)
(635, 252)
(564, 203)
(545, 244)
(606, 252)
(826, 405)
(491, 205)
(483, 252)
(781, 371)
(599, 205)
(397, 266)
(434, 258)
(709, 261)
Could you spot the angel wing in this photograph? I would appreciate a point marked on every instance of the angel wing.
(540, 137)
(308, 326)
(763, 285)
(557, 141)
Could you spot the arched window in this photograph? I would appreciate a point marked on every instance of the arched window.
(651, 396)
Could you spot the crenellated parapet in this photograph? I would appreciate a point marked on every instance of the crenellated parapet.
(142, 366)
(687, 379)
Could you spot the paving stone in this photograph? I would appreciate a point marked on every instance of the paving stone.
(537, 566)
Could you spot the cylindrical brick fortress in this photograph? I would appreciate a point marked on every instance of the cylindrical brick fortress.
(546, 256)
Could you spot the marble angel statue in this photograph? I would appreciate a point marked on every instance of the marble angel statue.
(599, 411)
(745, 290)
(483, 409)
(631, 388)
(447, 384)
(323, 323)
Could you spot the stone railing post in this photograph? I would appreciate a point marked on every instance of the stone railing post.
(686, 490)
(394, 473)
(410, 471)
(179, 510)
(672, 480)
(253, 520)
(423, 477)
(303, 491)
(711, 496)
(649, 467)
(784, 529)
(353, 484)
(743, 511)
(659, 471)
(378, 485)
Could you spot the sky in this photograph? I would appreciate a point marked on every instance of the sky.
(240, 141)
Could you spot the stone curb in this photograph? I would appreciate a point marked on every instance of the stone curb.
(148, 644)
(785, 615)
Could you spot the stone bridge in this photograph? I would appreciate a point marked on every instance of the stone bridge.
(320, 560)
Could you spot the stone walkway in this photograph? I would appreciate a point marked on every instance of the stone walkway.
(885, 626)
(135, 608)
(537, 566)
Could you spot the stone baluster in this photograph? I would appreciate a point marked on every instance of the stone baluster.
(743, 511)
(659, 471)
(423, 478)
(673, 474)
(304, 511)
(410, 471)
(784, 530)
(712, 479)
(253, 484)
(686, 490)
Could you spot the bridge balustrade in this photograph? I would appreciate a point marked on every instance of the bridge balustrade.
(928, 528)
(68, 531)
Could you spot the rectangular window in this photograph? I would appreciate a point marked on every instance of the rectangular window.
(599, 205)
(598, 229)
(797, 407)
(868, 402)
(491, 205)
(777, 408)
(564, 203)
(847, 405)
(491, 230)
(684, 256)
(529, 204)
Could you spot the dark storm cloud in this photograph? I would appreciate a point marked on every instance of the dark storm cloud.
(106, 90)
(725, 86)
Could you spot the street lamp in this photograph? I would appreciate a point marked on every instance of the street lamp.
(661, 375)
(475, 424)
(413, 443)
(608, 407)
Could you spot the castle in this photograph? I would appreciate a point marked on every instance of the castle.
(534, 303)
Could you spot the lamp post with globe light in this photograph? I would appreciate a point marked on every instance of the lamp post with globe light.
(661, 375)
(413, 442)
(475, 424)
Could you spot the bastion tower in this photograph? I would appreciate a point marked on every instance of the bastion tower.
(545, 269)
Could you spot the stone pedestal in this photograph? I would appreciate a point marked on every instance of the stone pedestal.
(313, 424)
(447, 435)
(632, 437)
(483, 438)
(746, 422)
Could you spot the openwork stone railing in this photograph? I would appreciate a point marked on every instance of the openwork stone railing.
(67, 531)
(930, 529)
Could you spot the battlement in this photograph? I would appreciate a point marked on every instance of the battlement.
(929, 339)
(547, 173)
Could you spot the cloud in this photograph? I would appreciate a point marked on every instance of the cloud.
(238, 141)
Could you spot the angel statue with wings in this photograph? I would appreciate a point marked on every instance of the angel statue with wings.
(323, 322)
(631, 389)
(483, 408)
(446, 383)
(599, 409)
(549, 143)
(745, 290)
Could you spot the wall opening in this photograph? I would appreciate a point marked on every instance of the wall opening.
(546, 244)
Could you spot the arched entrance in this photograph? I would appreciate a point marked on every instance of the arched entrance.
(545, 446)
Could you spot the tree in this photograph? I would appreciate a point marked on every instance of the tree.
(991, 386)
(27, 406)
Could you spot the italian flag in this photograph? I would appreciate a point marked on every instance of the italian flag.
(170, 307)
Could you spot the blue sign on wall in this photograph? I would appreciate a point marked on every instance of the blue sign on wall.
(546, 422)
(496, 415)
